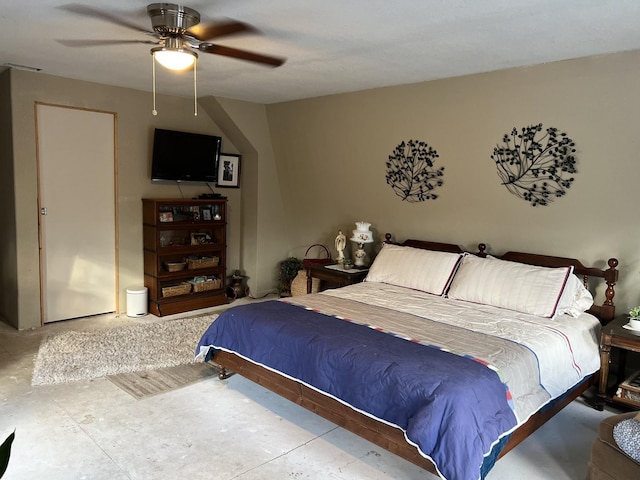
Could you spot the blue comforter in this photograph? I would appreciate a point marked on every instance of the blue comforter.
(451, 407)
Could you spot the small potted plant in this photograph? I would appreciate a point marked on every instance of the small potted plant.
(289, 268)
(347, 263)
(634, 318)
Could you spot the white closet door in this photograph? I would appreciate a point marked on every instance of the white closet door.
(76, 159)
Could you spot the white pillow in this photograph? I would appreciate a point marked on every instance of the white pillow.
(425, 270)
(512, 285)
(575, 299)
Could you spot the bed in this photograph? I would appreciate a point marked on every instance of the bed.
(446, 358)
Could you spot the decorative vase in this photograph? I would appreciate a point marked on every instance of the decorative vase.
(237, 288)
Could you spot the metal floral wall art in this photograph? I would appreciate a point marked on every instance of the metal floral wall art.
(411, 171)
(536, 165)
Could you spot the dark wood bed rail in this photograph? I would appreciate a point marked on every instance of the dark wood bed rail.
(385, 436)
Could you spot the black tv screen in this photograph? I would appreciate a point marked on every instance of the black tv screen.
(184, 157)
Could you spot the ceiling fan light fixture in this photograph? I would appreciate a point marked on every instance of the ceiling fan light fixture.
(175, 55)
(174, 58)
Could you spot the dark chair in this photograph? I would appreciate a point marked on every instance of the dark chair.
(607, 461)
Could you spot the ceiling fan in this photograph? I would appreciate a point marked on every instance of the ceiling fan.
(178, 35)
(178, 32)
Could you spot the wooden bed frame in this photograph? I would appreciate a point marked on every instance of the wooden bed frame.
(392, 438)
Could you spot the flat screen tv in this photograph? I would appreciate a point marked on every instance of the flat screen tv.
(184, 157)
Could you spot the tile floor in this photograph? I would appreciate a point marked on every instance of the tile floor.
(218, 430)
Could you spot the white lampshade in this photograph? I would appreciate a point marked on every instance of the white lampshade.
(174, 59)
(362, 237)
(362, 234)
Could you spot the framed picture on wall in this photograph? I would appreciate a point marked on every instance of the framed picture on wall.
(229, 170)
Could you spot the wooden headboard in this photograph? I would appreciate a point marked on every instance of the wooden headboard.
(426, 245)
(605, 312)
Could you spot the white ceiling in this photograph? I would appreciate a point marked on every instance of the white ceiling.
(331, 46)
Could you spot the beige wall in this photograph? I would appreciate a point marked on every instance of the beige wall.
(331, 155)
(314, 166)
(8, 249)
(265, 231)
(135, 133)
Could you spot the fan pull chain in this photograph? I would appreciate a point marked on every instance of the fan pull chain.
(195, 89)
(195, 86)
(153, 75)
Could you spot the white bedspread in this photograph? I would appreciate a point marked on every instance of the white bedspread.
(565, 348)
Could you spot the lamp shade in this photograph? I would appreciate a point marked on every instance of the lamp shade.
(174, 59)
(362, 234)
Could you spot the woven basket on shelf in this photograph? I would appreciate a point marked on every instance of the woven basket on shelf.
(174, 266)
(174, 290)
(206, 286)
(205, 262)
(299, 284)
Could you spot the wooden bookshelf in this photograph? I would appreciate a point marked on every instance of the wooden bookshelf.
(184, 254)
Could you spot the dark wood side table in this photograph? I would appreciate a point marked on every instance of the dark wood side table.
(335, 275)
(615, 335)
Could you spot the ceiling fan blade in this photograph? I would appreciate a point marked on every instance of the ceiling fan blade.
(99, 43)
(241, 54)
(209, 31)
(87, 11)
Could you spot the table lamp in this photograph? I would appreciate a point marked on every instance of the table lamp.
(361, 235)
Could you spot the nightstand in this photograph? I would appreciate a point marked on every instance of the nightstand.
(615, 335)
(335, 275)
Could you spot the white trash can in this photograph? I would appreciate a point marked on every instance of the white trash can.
(136, 301)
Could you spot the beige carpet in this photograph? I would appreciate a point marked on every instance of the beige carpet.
(73, 356)
(152, 382)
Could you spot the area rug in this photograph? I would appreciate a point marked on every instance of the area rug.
(73, 356)
(153, 382)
